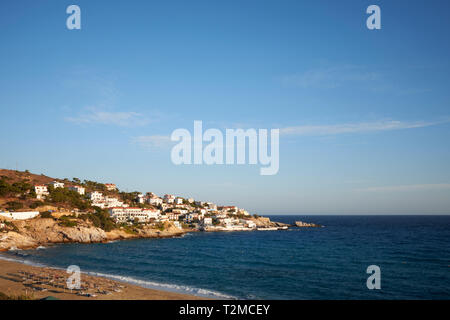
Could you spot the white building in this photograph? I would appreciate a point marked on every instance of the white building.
(155, 201)
(248, 223)
(190, 200)
(56, 184)
(80, 190)
(179, 200)
(191, 216)
(244, 212)
(177, 224)
(207, 221)
(19, 215)
(169, 198)
(226, 221)
(179, 211)
(110, 186)
(41, 191)
(100, 204)
(95, 196)
(121, 214)
(152, 213)
(140, 198)
(111, 202)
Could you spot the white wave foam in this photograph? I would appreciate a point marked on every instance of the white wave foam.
(166, 286)
(27, 262)
(141, 283)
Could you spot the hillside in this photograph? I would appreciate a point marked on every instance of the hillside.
(17, 192)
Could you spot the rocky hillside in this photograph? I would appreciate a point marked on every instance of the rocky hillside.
(36, 232)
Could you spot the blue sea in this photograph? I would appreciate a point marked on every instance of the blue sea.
(413, 253)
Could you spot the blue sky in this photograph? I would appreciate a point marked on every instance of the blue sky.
(364, 114)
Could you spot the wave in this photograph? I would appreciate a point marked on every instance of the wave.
(141, 283)
(165, 286)
(24, 261)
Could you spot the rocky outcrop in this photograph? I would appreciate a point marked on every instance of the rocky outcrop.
(14, 240)
(264, 222)
(302, 224)
(36, 232)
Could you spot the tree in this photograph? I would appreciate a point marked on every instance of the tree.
(14, 205)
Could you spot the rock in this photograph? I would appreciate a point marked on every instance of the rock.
(302, 224)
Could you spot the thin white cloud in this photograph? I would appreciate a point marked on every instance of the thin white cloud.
(411, 187)
(348, 128)
(109, 118)
(154, 141)
(330, 77)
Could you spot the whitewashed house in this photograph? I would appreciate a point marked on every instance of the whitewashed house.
(207, 221)
(41, 191)
(169, 198)
(111, 202)
(155, 201)
(80, 190)
(19, 215)
(140, 198)
(56, 184)
(95, 196)
(152, 213)
(110, 186)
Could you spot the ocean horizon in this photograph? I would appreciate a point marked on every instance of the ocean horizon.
(300, 263)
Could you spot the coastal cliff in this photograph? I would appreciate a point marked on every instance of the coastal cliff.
(37, 210)
(43, 231)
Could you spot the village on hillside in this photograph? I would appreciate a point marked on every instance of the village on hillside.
(82, 198)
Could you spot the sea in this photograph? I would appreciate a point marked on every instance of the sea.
(330, 262)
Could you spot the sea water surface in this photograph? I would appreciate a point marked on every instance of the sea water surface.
(413, 253)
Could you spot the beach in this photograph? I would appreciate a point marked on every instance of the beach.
(17, 279)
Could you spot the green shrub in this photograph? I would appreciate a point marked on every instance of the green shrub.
(14, 205)
(11, 226)
(101, 219)
(68, 223)
(45, 215)
(36, 204)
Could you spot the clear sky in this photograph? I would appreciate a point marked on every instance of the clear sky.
(364, 114)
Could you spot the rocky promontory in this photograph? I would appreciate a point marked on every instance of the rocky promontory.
(37, 232)
(302, 224)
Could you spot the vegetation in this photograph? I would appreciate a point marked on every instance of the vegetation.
(36, 204)
(129, 196)
(11, 226)
(100, 219)
(66, 221)
(14, 205)
(94, 185)
(21, 188)
(46, 215)
(66, 196)
(160, 226)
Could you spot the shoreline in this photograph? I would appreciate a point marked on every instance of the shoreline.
(38, 282)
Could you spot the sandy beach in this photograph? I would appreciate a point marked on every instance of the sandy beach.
(18, 279)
